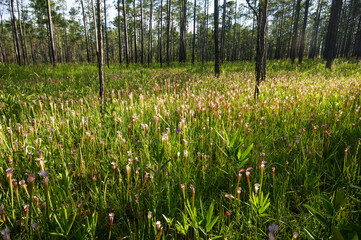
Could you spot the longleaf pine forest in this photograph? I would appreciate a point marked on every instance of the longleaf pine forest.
(180, 119)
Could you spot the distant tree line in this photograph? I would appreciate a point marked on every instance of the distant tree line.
(146, 31)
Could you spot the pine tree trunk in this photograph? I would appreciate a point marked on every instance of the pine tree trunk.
(126, 33)
(95, 29)
(135, 34)
(234, 49)
(150, 33)
(51, 35)
(169, 9)
(313, 46)
(85, 31)
(119, 35)
(216, 40)
(357, 45)
(22, 38)
(331, 36)
(223, 30)
(194, 31)
(106, 32)
(100, 56)
(302, 42)
(15, 33)
(295, 32)
(141, 33)
(161, 33)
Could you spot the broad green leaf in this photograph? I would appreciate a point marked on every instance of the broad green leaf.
(336, 233)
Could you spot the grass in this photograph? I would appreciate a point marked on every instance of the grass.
(163, 160)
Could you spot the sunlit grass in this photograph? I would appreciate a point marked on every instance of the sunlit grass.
(178, 153)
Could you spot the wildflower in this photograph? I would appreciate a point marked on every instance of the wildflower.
(111, 219)
(158, 225)
(229, 196)
(6, 234)
(227, 214)
(248, 179)
(114, 164)
(273, 172)
(149, 215)
(36, 199)
(192, 189)
(41, 163)
(295, 235)
(239, 191)
(256, 187)
(183, 187)
(26, 210)
(9, 173)
(240, 175)
(178, 130)
(128, 169)
(45, 180)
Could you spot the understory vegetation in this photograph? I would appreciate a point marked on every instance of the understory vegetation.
(177, 153)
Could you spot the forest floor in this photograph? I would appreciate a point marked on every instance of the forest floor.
(179, 154)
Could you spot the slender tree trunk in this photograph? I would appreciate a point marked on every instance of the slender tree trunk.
(126, 33)
(216, 40)
(302, 42)
(106, 32)
(289, 41)
(119, 35)
(100, 55)
(95, 29)
(85, 31)
(313, 45)
(169, 9)
(357, 45)
(234, 50)
(22, 38)
(2, 42)
(51, 35)
(161, 33)
(223, 29)
(141, 33)
(194, 31)
(15, 33)
(183, 31)
(135, 34)
(206, 39)
(295, 32)
(331, 36)
(261, 51)
(150, 33)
